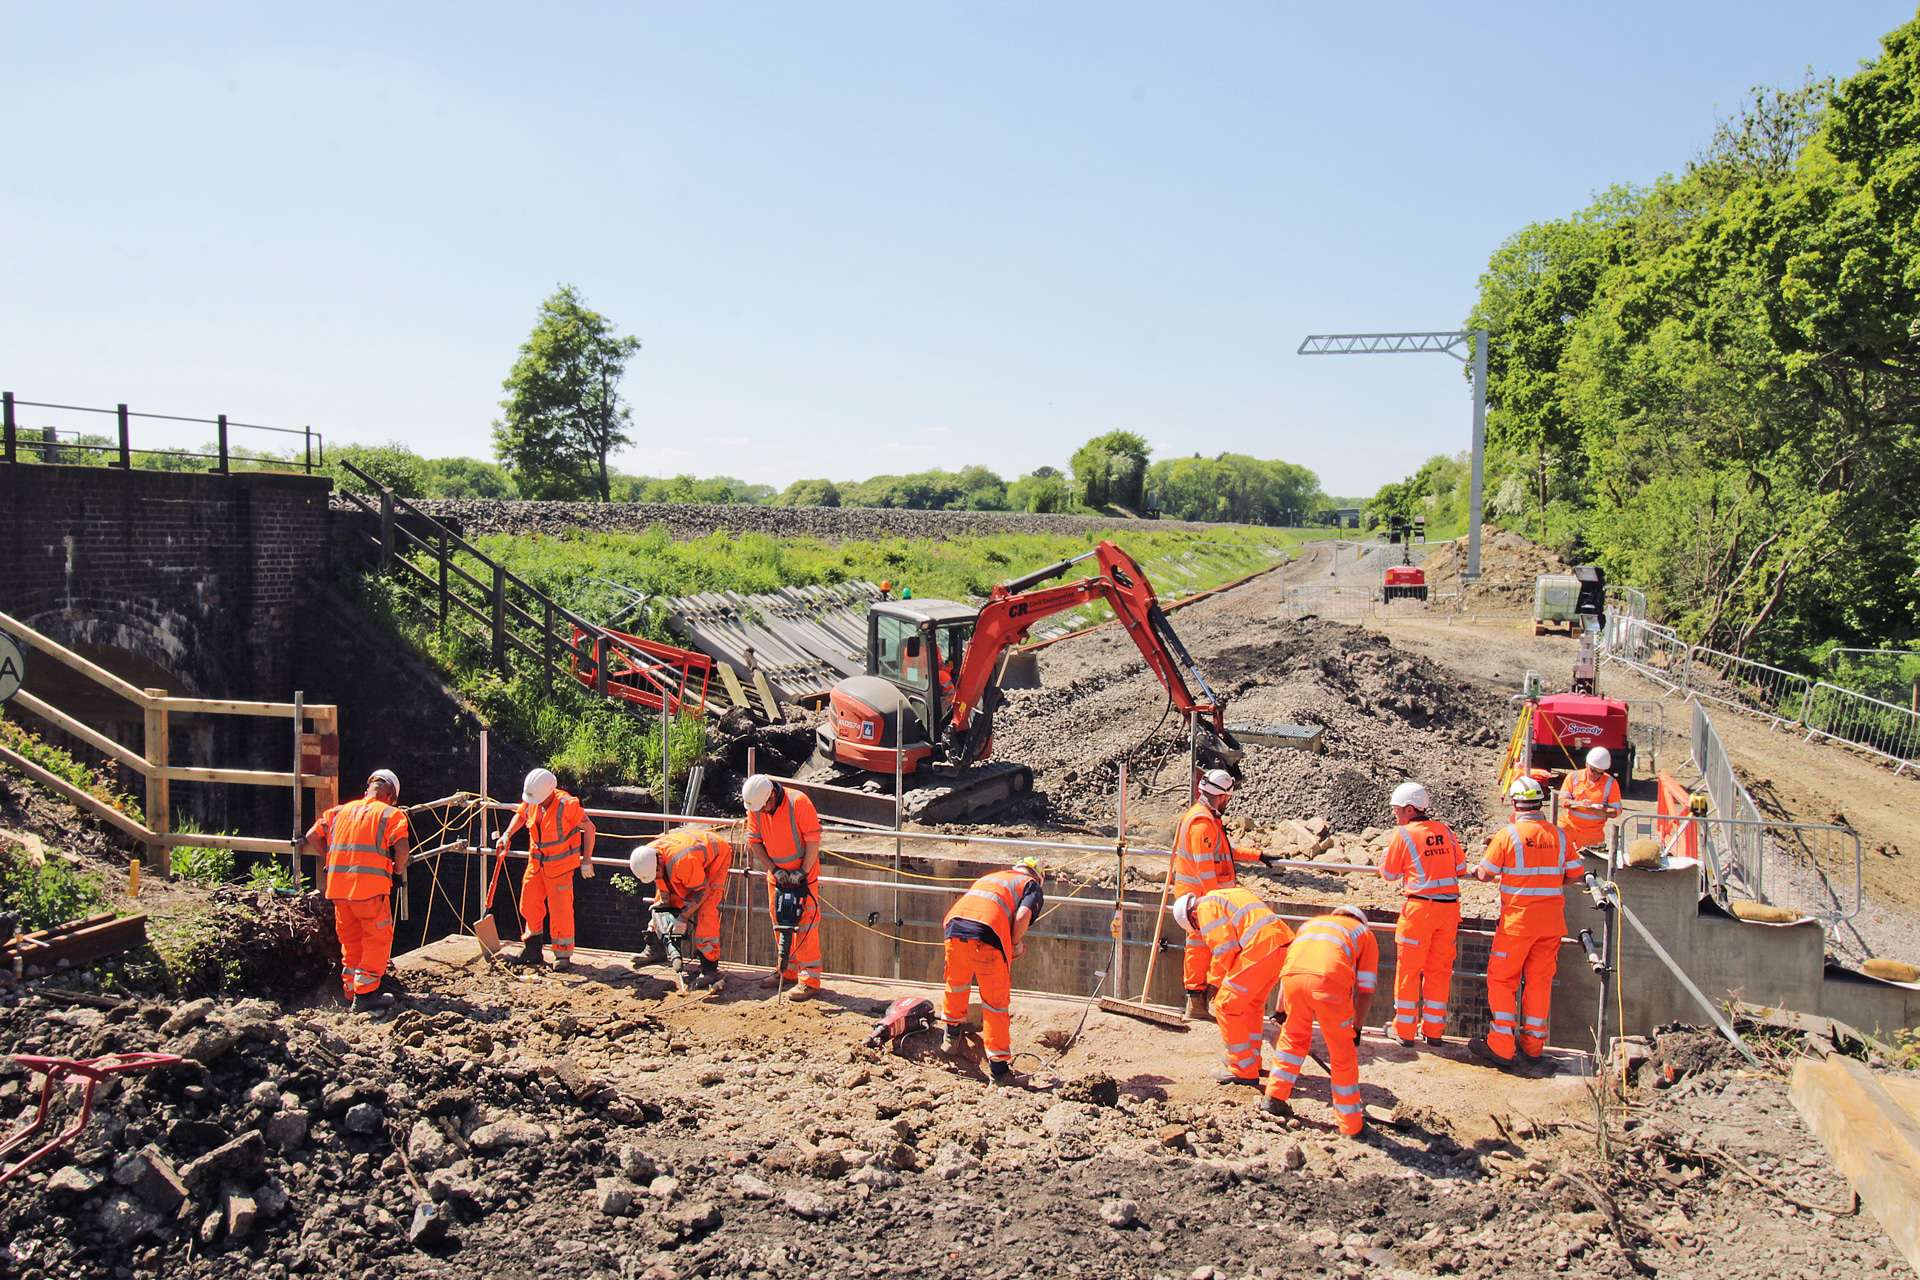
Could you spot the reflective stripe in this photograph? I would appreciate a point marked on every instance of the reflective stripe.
(364, 871)
(1291, 1059)
(1240, 1046)
(1532, 891)
(1406, 1004)
(1347, 1109)
(992, 1008)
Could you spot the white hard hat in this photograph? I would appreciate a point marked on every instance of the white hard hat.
(538, 786)
(755, 793)
(1412, 795)
(1183, 911)
(1216, 782)
(1600, 758)
(1527, 791)
(387, 776)
(645, 861)
(1348, 909)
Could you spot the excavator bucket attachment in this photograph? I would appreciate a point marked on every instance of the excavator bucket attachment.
(1022, 671)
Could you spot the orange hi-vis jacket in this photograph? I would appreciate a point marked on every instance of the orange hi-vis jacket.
(553, 833)
(360, 836)
(1534, 860)
(1587, 799)
(1203, 857)
(1237, 926)
(1426, 860)
(783, 835)
(993, 901)
(692, 860)
(1338, 950)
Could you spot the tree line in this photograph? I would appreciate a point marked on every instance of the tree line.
(1708, 385)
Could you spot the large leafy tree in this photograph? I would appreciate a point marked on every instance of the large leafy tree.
(1111, 468)
(563, 413)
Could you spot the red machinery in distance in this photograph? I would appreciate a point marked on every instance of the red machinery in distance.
(935, 670)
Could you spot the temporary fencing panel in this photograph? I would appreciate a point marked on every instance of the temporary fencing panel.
(1886, 730)
(1745, 685)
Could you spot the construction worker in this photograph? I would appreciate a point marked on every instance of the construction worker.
(985, 933)
(1329, 976)
(1246, 945)
(365, 843)
(1532, 859)
(1425, 858)
(783, 832)
(560, 839)
(1203, 860)
(1589, 799)
(688, 868)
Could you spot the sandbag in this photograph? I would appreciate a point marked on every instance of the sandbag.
(1761, 913)
(1891, 970)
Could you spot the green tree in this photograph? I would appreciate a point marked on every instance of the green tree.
(393, 465)
(465, 478)
(809, 493)
(1042, 491)
(563, 413)
(1111, 469)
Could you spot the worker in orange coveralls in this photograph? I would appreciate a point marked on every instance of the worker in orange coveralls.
(1329, 977)
(560, 839)
(783, 831)
(1532, 860)
(1589, 799)
(1203, 860)
(985, 933)
(365, 843)
(688, 868)
(1246, 945)
(1425, 859)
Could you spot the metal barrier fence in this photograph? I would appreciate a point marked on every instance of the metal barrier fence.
(1892, 675)
(73, 445)
(1812, 868)
(1880, 728)
(1741, 853)
(1646, 732)
(1358, 603)
(1771, 693)
(1656, 652)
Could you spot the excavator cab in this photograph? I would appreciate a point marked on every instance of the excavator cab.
(915, 650)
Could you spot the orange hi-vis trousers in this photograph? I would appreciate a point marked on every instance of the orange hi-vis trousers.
(1425, 941)
(1514, 958)
(803, 961)
(1308, 1001)
(1242, 1002)
(544, 895)
(365, 928)
(971, 962)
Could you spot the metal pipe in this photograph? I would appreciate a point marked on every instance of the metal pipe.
(299, 809)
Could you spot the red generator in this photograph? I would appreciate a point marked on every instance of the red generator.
(1568, 725)
(1405, 582)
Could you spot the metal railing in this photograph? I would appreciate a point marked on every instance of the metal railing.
(1772, 693)
(1656, 652)
(1743, 853)
(53, 444)
(1813, 869)
(1892, 675)
(1880, 728)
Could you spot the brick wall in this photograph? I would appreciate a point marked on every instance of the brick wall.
(198, 573)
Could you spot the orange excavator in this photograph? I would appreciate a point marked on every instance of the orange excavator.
(935, 669)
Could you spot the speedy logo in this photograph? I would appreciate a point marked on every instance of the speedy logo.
(1578, 729)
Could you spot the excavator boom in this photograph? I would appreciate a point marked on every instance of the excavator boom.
(1014, 607)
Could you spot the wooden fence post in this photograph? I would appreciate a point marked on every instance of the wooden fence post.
(7, 424)
(126, 445)
(225, 464)
(154, 748)
(546, 649)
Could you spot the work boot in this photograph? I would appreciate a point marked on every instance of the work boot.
(950, 1039)
(1196, 1010)
(771, 981)
(1435, 1041)
(371, 1002)
(803, 993)
(1231, 1080)
(655, 952)
(1404, 1044)
(708, 978)
(1480, 1049)
(562, 963)
(1279, 1108)
(531, 949)
(999, 1073)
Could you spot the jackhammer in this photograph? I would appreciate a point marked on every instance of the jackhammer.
(789, 905)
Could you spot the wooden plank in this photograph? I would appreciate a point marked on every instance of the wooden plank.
(159, 794)
(240, 844)
(67, 658)
(1871, 1140)
(85, 800)
(730, 681)
(98, 741)
(236, 777)
(768, 702)
(229, 707)
(83, 946)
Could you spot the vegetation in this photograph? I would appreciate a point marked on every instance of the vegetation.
(563, 414)
(272, 876)
(1111, 470)
(198, 864)
(1438, 490)
(100, 783)
(39, 896)
(1235, 487)
(1709, 385)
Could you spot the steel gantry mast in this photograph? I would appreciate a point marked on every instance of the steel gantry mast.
(1469, 346)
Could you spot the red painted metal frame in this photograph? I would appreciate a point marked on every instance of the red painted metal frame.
(71, 1071)
(628, 681)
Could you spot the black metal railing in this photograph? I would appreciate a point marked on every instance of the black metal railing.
(55, 444)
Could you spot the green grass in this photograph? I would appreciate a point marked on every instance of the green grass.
(587, 741)
(98, 783)
(39, 897)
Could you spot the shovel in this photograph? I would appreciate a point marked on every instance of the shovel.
(485, 931)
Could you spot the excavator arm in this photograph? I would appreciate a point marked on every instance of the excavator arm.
(1014, 607)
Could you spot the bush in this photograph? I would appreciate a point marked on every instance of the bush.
(274, 877)
(98, 783)
(41, 896)
(200, 865)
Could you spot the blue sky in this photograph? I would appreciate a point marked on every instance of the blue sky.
(854, 238)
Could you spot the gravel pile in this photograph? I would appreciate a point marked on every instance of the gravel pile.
(1509, 564)
(477, 516)
(1387, 715)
